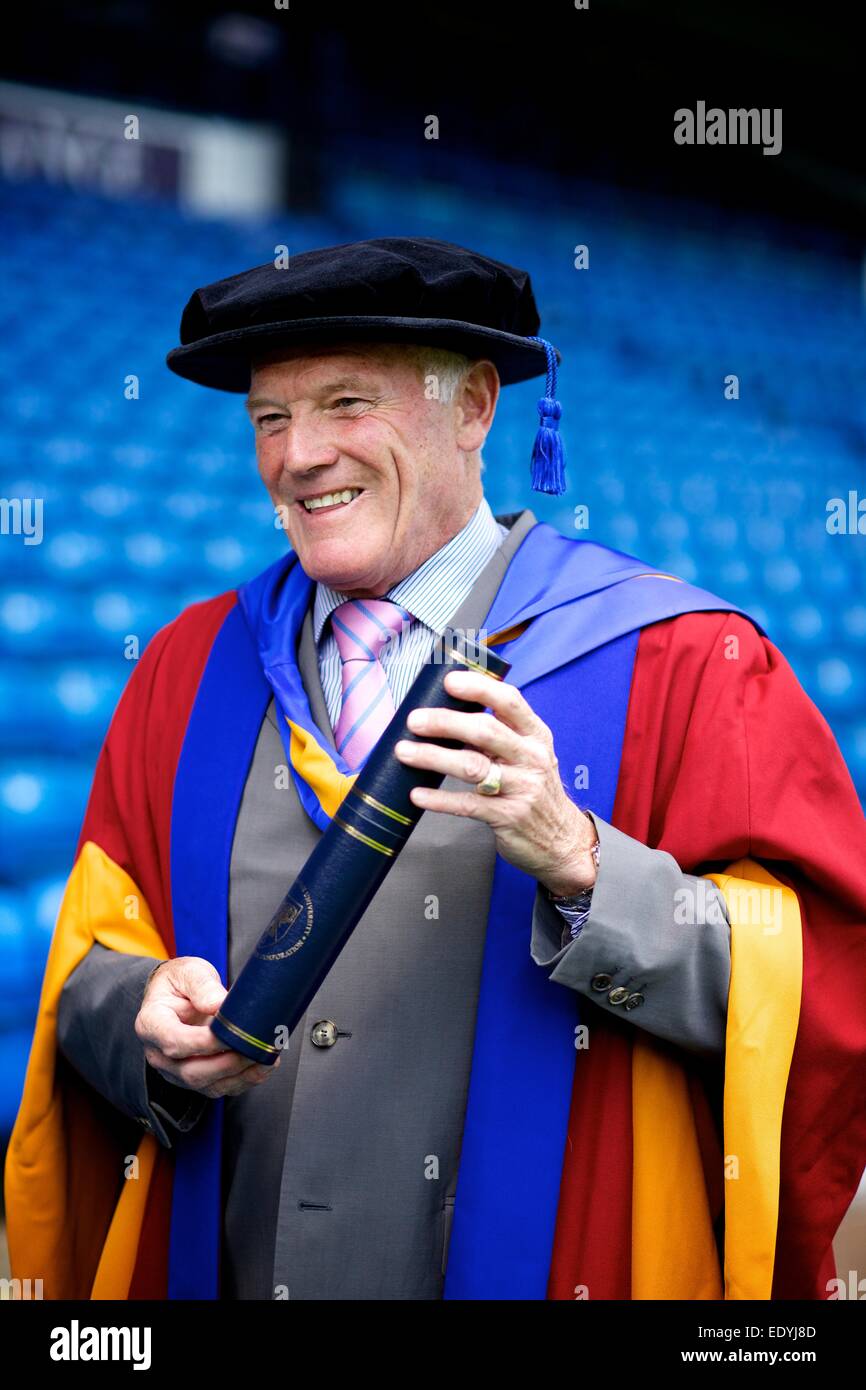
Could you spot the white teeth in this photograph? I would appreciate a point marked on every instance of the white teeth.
(329, 499)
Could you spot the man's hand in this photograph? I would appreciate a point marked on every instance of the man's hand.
(181, 997)
(538, 827)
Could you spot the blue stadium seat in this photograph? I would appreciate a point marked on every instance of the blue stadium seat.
(14, 1055)
(121, 621)
(41, 621)
(21, 972)
(42, 804)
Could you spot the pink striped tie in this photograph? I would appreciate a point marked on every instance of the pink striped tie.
(361, 628)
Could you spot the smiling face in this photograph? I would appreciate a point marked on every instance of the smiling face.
(356, 418)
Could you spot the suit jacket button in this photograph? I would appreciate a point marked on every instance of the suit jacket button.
(618, 995)
(634, 1001)
(601, 982)
(324, 1033)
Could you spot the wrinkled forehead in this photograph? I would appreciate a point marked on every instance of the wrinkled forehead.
(350, 358)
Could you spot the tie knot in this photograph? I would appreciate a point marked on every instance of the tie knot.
(363, 626)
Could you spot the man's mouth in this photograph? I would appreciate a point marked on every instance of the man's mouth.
(330, 501)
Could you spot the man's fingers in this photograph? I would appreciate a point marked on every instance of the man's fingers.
(180, 999)
(199, 982)
(201, 1073)
(234, 1086)
(197, 1070)
(173, 1026)
(163, 1030)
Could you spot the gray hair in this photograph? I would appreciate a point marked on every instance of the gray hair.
(441, 366)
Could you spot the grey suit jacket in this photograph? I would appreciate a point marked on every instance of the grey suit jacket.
(632, 958)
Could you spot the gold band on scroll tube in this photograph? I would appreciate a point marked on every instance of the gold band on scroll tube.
(379, 806)
(247, 1037)
(365, 839)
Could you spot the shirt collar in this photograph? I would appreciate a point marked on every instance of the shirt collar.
(437, 587)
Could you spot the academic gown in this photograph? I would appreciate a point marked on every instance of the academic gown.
(725, 764)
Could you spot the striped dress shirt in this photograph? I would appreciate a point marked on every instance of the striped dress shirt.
(432, 593)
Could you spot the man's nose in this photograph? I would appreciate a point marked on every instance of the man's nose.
(307, 443)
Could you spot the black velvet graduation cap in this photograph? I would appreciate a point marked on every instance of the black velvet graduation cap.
(390, 289)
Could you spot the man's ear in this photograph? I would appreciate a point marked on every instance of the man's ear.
(476, 403)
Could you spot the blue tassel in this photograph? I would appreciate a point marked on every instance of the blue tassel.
(548, 456)
(548, 453)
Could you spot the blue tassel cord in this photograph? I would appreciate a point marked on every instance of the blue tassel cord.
(548, 453)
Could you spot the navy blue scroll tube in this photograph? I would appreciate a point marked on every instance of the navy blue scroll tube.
(345, 870)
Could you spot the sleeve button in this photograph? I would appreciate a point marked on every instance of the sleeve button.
(601, 982)
(634, 1001)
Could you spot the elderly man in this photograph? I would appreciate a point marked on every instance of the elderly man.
(584, 1042)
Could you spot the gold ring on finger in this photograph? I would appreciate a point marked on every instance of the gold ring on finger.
(492, 784)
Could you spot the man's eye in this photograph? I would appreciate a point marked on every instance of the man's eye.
(350, 400)
(269, 419)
